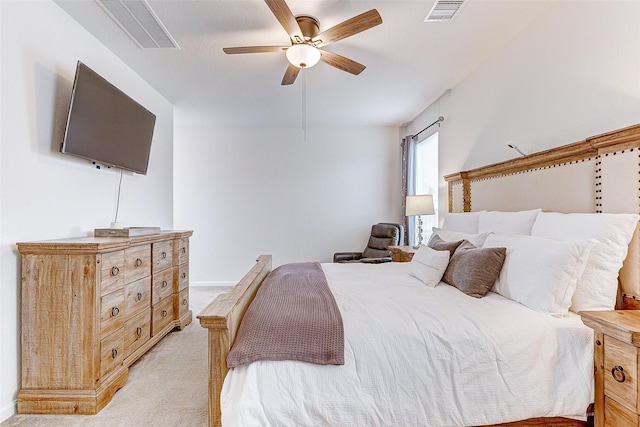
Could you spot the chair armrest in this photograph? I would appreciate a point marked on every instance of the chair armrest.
(375, 260)
(346, 256)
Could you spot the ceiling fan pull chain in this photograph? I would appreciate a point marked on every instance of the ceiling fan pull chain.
(304, 106)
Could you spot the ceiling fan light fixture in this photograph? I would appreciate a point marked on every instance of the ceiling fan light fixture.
(303, 55)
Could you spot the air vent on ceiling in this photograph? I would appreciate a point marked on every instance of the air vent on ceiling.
(444, 10)
(137, 19)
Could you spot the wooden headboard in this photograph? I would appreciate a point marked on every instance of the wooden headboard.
(600, 174)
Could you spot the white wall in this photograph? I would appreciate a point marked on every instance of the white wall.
(574, 73)
(254, 191)
(46, 194)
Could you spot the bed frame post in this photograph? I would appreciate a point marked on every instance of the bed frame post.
(222, 318)
(460, 178)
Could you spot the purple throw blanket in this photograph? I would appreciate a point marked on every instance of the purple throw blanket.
(292, 317)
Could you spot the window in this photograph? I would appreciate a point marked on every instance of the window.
(426, 180)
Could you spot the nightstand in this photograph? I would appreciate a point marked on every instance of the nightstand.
(616, 358)
(402, 253)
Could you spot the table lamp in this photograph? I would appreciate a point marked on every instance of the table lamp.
(419, 205)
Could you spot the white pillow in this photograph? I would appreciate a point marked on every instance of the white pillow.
(453, 236)
(429, 265)
(540, 273)
(597, 288)
(465, 222)
(519, 222)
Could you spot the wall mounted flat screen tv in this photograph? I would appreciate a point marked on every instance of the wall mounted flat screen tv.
(107, 126)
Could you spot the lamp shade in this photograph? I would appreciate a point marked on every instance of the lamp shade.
(420, 205)
(303, 55)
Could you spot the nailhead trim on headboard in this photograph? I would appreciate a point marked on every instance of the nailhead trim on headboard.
(598, 189)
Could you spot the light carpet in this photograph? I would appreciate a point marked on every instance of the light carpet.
(166, 387)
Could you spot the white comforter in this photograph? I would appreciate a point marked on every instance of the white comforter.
(420, 356)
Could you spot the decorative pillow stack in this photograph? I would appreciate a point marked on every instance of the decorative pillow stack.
(471, 269)
(554, 262)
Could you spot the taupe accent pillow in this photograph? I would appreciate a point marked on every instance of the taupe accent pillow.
(436, 242)
(474, 270)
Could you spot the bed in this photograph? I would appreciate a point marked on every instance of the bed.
(491, 376)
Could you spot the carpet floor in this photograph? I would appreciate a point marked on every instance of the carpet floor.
(166, 387)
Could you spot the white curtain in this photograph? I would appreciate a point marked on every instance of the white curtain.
(408, 185)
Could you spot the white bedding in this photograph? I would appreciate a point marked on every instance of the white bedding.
(425, 357)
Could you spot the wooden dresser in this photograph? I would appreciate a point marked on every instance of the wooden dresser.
(90, 308)
(617, 358)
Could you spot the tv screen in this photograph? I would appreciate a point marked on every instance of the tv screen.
(107, 126)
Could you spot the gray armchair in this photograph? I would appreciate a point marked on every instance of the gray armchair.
(382, 236)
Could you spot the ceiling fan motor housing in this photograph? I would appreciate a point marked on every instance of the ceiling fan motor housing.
(309, 26)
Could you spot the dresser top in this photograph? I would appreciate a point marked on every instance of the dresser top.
(97, 244)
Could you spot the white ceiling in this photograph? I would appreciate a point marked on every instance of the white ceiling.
(410, 63)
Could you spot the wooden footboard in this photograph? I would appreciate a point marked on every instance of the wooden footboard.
(222, 318)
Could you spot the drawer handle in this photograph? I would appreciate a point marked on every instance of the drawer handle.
(114, 353)
(164, 313)
(139, 332)
(139, 296)
(138, 262)
(115, 311)
(184, 275)
(164, 283)
(115, 270)
(185, 301)
(618, 374)
(164, 255)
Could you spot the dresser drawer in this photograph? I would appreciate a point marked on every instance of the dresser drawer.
(182, 250)
(616, 415)
(162, 315)
(111, 312)
(112, 268)
(182, 303)
(182, 279)
(621, 372)
(137, 331)
(138, 262)
(111, 353)
(162, 285)
(137, 295)
(162, 254)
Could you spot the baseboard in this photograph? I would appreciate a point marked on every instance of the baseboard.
(214, 284)
(7, 411)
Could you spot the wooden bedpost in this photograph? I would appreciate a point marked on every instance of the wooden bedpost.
(222, 318)
(459, 178)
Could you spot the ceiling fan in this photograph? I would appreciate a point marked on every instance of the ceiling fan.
(306, 40)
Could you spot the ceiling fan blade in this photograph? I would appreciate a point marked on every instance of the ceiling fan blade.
(290, 75)
(254, 49)
(348, 28)
(341, 62)
(285, 17)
